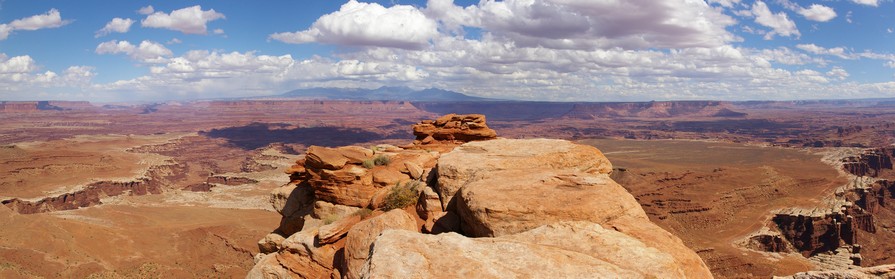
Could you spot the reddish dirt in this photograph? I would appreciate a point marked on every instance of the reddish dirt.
(714, 194)
(127, 241)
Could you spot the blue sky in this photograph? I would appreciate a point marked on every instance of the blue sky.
(558, 50)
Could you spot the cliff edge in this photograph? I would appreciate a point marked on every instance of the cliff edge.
(461, 203)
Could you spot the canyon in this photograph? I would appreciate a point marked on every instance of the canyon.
(753, 189)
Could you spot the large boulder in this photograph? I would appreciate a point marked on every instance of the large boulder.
(476, 160)
(403, 254)
(325, 213)
(355, 154)
(269, 267)
(351, 185)
(293, 202)
(510, 197)
(610, 246)
(656, 237)
(289, 199)
(513, 201)
(332, 232)
(319, 157)
(582, 250)
(362, 235)
(303, 254)
(272, 242)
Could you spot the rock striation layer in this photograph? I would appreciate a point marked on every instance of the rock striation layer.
(453, 128)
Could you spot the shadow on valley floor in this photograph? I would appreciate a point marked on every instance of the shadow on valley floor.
(257, 135)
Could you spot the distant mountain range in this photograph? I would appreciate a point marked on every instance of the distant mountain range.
(379, 94)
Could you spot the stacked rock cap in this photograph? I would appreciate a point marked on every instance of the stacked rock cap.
(453, 128)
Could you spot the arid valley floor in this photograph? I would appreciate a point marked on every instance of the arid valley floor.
(180, 189)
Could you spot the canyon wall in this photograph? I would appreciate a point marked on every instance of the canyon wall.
(859, 218)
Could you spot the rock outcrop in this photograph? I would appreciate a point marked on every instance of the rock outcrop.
(478, 160)
(512, 201)
(816, 231)
(362, 235)
(882, 271)
(490, 209)
(453, 128)
(400, 254)
(870, 163)
(851, 228)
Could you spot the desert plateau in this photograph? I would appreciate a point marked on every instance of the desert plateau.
(163, 195)
(672, 139)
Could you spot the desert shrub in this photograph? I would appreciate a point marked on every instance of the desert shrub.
(402, 196)
(382, 160)
(369, 164)
(329, 219)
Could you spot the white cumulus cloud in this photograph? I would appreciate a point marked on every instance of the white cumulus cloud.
(779, 23)
(146, 10)
(17, 64)
(585, 24)
(5, 29)
(190, 20)
(836, 51)
(874, 3)
(51, 19)
(368, 24)
(817, 12)
(21, 78)
(147, 51)
(117, 25)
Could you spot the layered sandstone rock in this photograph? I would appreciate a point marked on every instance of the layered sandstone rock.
(815, 231)
(478, 160)
(399, 254)
(362, 235)
(453, 128)
(559, 250)
(870, 163)
(536, 208)
(512, 201)
(340, 176)
(882, 271)
(844, 232)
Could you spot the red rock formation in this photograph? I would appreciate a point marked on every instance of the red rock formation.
(346, 179)
(199, 187)
(348, 175)
(870, 163)
(18, 106)
(90, 196)
(812, 232)
(453, 128)
(227, 180)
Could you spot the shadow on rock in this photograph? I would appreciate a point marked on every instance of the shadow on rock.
(257, 135)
